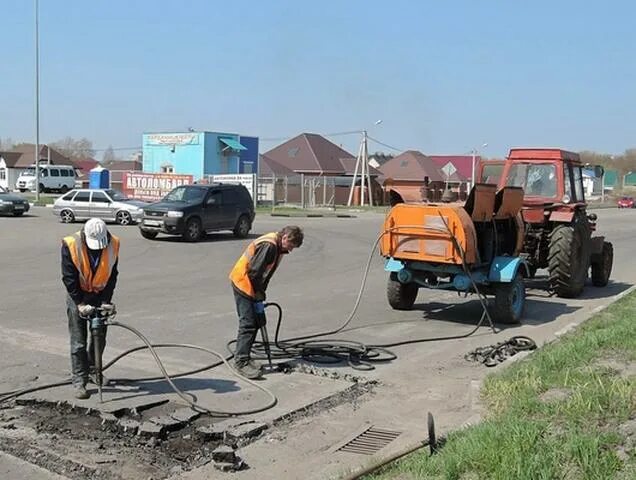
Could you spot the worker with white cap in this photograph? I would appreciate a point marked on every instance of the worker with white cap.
(89, 273)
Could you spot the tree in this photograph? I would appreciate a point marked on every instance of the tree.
(595, 158)
(69, 147)
(109, 155)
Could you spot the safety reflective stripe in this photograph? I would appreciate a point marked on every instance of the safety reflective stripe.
(239, 276)
(92, 282)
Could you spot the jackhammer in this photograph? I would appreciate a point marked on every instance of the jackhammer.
(262, 323)
(98, 322)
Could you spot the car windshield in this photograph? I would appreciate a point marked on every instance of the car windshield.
(29, 172)
(185, 194)
(117, 196)
(536, 179)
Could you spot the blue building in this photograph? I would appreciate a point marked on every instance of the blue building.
(199, 153)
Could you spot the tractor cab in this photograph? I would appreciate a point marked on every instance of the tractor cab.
(549, 177)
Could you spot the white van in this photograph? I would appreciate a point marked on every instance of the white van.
(52, 177)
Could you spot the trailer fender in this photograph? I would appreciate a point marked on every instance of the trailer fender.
(393, 265)
(504, 269)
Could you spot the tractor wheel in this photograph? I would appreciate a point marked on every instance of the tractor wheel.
(568, 259)
(401, 296)
(510, 300)
(602, 265)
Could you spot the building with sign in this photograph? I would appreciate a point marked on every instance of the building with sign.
(199, 153)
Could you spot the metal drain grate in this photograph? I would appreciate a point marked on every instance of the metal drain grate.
(369, 441)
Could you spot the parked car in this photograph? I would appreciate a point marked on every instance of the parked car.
(12, 204)
(52, 177)
(109, 205)
(626, 202)
(193, 210)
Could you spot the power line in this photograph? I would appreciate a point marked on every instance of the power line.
(385, 144)
(115, 149)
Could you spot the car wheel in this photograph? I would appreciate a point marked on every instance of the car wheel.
(17, 214)
(64, 189)
(242, 228)
(193, 231)
(67, 216)
(42, 189)
(148, 234)
(123, 217)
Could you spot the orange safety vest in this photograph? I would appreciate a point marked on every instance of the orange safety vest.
(238, 275)
(92, 282)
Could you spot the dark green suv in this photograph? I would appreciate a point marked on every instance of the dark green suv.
(193, 210)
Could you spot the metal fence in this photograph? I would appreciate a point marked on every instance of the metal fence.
(303, 191)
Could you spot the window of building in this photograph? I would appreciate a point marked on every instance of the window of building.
(167, 169)
(3, 173)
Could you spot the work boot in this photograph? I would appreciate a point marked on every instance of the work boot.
(81, 393)
(248, 369)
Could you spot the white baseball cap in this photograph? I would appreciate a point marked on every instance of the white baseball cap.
(96, 234)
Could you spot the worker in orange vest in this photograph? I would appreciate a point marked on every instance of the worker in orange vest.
(250, 276)
(89, 273)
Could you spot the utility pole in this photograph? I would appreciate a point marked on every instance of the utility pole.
(37, 104)
(472, 176)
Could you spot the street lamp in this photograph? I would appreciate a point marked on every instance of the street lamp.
(472, 177)
(37, 105)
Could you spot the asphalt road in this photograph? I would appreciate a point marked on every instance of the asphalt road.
(179, 292)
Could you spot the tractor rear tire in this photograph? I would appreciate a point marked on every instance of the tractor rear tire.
(568, 259)
(602, 265)
(510, 301)
(401, 296)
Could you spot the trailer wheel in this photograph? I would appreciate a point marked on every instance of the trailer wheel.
(602, 265)
(510, 300)
(401, 296)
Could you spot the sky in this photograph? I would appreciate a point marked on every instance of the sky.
(444, 77)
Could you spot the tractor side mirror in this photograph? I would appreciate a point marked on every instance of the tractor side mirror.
(599, 171)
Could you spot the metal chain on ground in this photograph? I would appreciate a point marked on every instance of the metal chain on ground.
(492, 355)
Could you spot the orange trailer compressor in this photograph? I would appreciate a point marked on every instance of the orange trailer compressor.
(472, 248)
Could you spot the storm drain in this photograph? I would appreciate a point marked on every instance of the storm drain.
(369, 441)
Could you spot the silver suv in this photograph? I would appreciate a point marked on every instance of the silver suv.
(109, 205)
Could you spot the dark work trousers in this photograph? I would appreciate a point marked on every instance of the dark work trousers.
(79, 330)
(248, 327)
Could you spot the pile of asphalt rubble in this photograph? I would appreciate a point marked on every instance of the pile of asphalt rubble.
(157, 443)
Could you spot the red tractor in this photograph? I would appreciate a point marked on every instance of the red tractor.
(558, 228)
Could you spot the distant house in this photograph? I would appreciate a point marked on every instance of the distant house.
(14, 162)
(117, 169)
(462, 163)
(326, 168)
(417, 178)
(83, 166)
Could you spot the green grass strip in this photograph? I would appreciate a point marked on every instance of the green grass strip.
(566, 412)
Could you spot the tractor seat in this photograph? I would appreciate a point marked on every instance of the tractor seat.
(480, 204)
